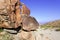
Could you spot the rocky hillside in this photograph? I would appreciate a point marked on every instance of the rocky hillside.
(52, 24)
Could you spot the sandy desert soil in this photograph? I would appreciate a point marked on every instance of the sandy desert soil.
(39, 34)
(47, 34)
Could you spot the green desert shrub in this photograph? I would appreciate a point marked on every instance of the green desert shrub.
(1, 29)
(46, 26)
(6, 36)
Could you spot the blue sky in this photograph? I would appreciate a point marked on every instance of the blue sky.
(44, 10)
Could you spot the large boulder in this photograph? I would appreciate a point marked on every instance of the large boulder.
(29, 23)
(11, 12)
(23, 35)
(25, 10)
(4, 7)
(8, 13)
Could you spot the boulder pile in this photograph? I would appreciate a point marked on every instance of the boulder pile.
(16, 16)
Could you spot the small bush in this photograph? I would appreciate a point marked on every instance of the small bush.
(1, 29)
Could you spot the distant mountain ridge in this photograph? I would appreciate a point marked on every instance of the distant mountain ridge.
(55, 23)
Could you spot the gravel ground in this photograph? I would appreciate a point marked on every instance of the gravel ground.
(40, 34)
(48, 34)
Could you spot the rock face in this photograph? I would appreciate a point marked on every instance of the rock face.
(25, 35)
(13, 15)
(25, 10)
(10, 12)
(4, 7)
(29, 23)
